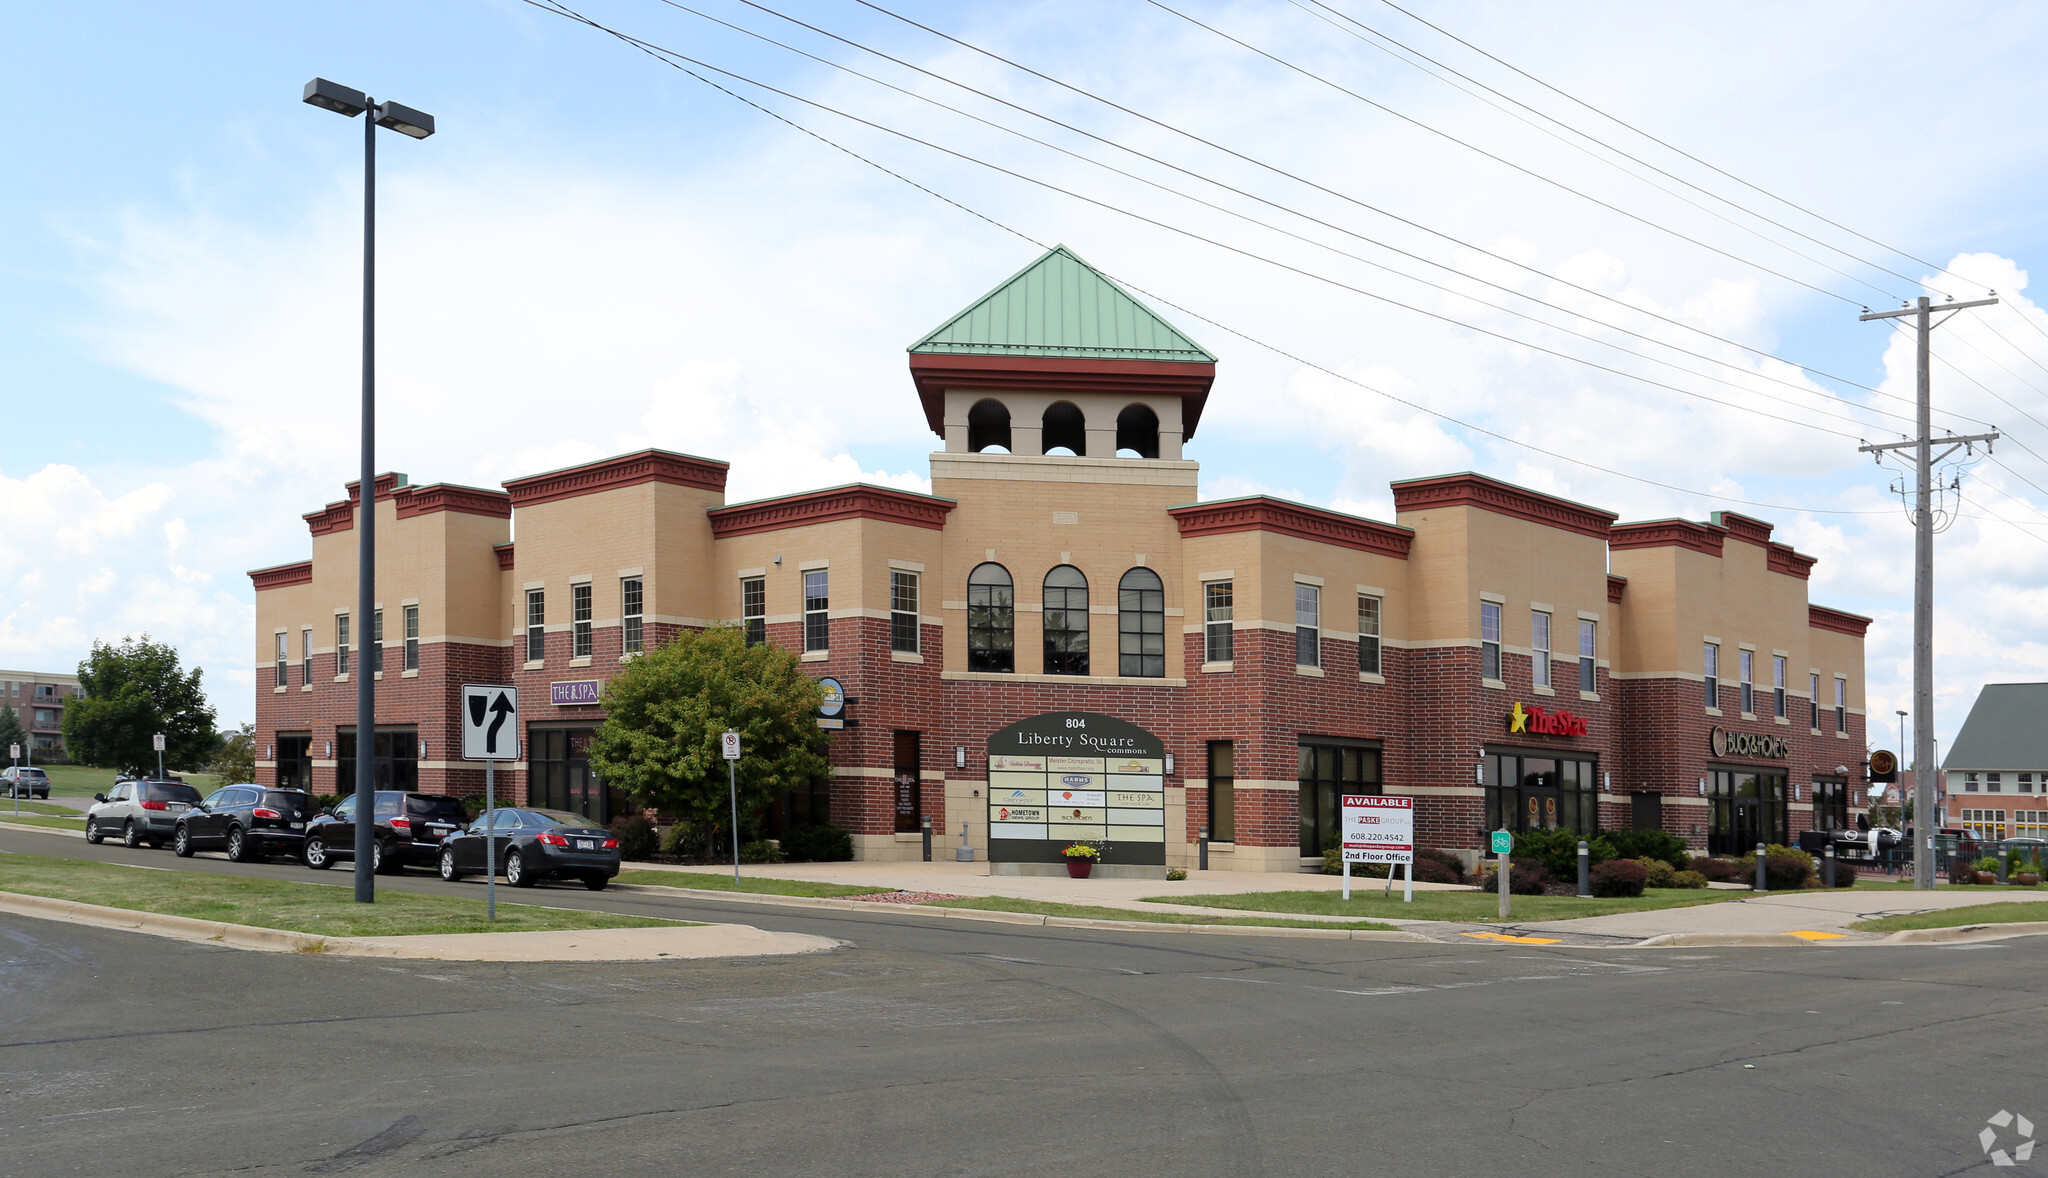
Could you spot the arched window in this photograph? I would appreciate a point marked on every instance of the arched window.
(988, 424)
(991, 619)
(1066, 621)
(1065, 428)
(1141, 625)
(1137, 430)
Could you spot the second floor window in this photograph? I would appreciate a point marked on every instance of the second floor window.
(412, 638)
(536, 625)
(1065, 614)
(991, 619)
(1746, 663)
(1489, 640)
(754, 609)
(1589, 655)
(1308, 625)
(1218, 638)
(377, 642)
(306, 657)
(283, 659)
(1841, 705)
(1539, 648)
(817, 600)
(633, 637)
(579, 620)
(1710, 661)
(1369, 634)
(1813, 700)
(1778, 686)
(341, 644)
(1141, 625)
(903, 620)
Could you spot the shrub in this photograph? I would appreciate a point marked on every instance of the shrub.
(1688, 879)
(760, 851)
(683, 840)
(1432, 865)
(1176, 873)
(1558, 850)
(1785, 869)
(1659, 872)
(1714, 870)
(1619, 877)
(1649, 844)
(1988, 863)
(1526, 877)
(823, 843)
(638, 840)
(1961, 871)
(1845, 876)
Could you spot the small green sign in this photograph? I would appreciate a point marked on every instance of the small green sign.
(1503, 842)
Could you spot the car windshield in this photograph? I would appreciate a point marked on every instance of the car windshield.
(169, 791)
(33, 773)
(444, 809)
(562, 818)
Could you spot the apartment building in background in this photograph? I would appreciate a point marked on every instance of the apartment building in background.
(38, 697)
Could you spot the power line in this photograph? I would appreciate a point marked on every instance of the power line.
(672, 60)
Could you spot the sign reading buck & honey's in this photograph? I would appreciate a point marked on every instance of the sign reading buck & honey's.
(1067, 777)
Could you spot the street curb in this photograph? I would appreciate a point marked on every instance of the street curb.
(1969, 932)
(1726, 940)
(157, 924)
(58, 830)
(1026, 918)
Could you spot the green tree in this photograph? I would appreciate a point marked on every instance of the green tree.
(235, 761)
(667, 709)
(133, 691)
(12, 731)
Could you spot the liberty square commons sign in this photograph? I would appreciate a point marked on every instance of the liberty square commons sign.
(1067, 777)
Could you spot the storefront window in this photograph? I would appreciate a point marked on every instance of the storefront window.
(396, 763)
(1329, 770)
(1748, 808)
(295, 761)
(561, 777)
(1535, 792)
(1222, 791)
(1830, 804)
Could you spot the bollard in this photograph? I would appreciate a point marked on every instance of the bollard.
(964, 853)
(1585, 874)
(1203, 851)
(2002, 851)
(1828, 858)
(927, 825)
(1761, 852)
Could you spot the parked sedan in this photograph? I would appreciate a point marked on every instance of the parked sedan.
(246, 821)
(534, 845)
(410, 827)
(24, 781)
(139, 812)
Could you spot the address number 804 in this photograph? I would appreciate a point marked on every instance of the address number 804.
(1074, 723)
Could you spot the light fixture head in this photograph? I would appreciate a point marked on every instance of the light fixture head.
(335, 97)
(405, 120)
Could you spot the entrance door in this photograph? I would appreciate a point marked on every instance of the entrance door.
(560, 775)
(1541, 791)
(1327, 772)
(909, 787)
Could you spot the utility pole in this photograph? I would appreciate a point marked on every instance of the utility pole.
(1925, 822)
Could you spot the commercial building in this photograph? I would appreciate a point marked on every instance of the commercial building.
(1506, 656)
(38, 697)
(1996, 772)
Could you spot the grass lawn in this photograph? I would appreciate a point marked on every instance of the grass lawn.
(322, 909)
(1052, 908)
(28, 807)
(2005, 912)
(57, 821)
(723, 883)
(1470, 907)
(1906, 885)
(83, 781)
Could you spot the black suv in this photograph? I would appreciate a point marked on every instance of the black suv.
(25, 781)
(410, 828)
(246, 821)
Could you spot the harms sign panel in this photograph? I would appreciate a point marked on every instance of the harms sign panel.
(1076, 776)
(1379, 829)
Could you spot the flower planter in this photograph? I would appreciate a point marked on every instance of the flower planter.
(1987, 877)
(1079, 868)
(2026, 879)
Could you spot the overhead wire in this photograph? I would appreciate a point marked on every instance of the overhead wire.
(677, 61)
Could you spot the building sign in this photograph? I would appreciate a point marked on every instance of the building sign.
(1378, 829)
(1069, 777)
(574, 692)
(834, 701)
(1544, 722)
(1884, 766)
(1724, 743)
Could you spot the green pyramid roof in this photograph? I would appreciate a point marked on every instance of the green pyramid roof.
(1060, 306)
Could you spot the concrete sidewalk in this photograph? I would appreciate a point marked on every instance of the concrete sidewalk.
(1821, 915)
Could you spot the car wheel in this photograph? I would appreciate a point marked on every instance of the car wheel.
(92, 831)
(448, 870)
(238, 845)
(596, 883)
(181, 842)
(516, 873)
(130, 837)
(316, 854)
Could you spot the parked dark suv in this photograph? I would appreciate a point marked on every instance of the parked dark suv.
(246, 821)
(410, 828)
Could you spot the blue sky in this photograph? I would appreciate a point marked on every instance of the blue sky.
(597, 252)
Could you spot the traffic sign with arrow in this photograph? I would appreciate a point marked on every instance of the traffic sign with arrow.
(490, 723)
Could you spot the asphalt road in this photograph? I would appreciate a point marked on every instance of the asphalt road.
(931, 1047)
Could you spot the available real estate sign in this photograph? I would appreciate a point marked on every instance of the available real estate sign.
(1067, 777)
(1378, 829)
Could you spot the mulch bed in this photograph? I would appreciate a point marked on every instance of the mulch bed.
(904, 897)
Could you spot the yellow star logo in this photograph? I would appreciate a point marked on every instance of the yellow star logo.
(1518, 720)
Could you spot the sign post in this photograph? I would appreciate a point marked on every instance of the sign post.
(1379, 829)
(14, 755)
(731, 748)
(1503, 842)
(157, 742)
(490, 733)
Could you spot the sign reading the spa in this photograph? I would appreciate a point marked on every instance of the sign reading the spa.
(574, 692)
(1545, 722)
(1068, 777)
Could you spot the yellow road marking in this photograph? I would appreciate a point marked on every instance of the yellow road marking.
(1810, 935)
(1515, 940)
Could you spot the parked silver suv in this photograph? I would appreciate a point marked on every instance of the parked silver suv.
(139, 812)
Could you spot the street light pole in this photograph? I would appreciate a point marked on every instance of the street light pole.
(343, 101)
